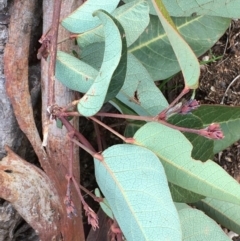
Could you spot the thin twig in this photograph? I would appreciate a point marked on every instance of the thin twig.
(225, 94)
(93, 154)
(98, 135)
(109, 128)
(95, 198)
(162, 114)
(77, 134)
(53, 52)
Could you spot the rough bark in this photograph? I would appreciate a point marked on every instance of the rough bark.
(31, 192)
(54, 160)
(58, 143)
(10, 133)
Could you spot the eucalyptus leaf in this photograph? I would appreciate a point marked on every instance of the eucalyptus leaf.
(104, 205)
(151, 8)
(137, 81)
(174, 151)
(124, 109)
(222, 8)
(82, 18)
(197, 226)
(182, 195)
(180, 206)
(227, 214)
(187, 60)
(93, 100)
(134, 17)
(78, 75)
(134, 94)
(154, 51)
(134, 183)
(202, 147)
(181, 8)
(132, 127)
(74, 73)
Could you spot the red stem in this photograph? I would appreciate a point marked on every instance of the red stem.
(53, 52)
(77, 134)
(98, 135)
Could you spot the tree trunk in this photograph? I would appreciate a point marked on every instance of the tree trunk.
(54, 159)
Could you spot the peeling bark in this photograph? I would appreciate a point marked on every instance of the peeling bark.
(9, 128)
(16, 71)
(31, 192)
(55, 159)
(58, 142)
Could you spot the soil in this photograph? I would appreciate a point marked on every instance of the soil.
(220, 84)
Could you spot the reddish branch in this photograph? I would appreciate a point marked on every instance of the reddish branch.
(16, 72)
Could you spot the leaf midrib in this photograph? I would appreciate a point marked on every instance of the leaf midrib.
(162, 36)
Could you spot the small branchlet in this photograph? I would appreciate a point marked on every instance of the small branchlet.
(70, 207)
(213, 131)
(44, 50)
(181, 108)
(189, 106)
(92, 216)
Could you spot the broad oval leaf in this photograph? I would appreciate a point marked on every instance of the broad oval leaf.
(220, 8)
(74, 73)
(137, 81)
(174, 151)
(198, 226)
(179, 194)
(229, 119)
(139, 92)
(115, 49)
(154, 51)
(134, 183)
(151, 8)
(134, 17)
(79, 76)
(82, 18)
(227, 214)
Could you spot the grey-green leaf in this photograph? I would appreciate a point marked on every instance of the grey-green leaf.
(202, 147)
(197, 226)
(227, 214)
(82, 18)
(74, 73)
(134, 183)
(182, 195)
(179, 8)
(137, 81)
(134, 94)
(93, 100)
(134, 17)
(104, 204)
(187, 60)
(151, 8)
(222, 8)
(174, 151)
(154, 51)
